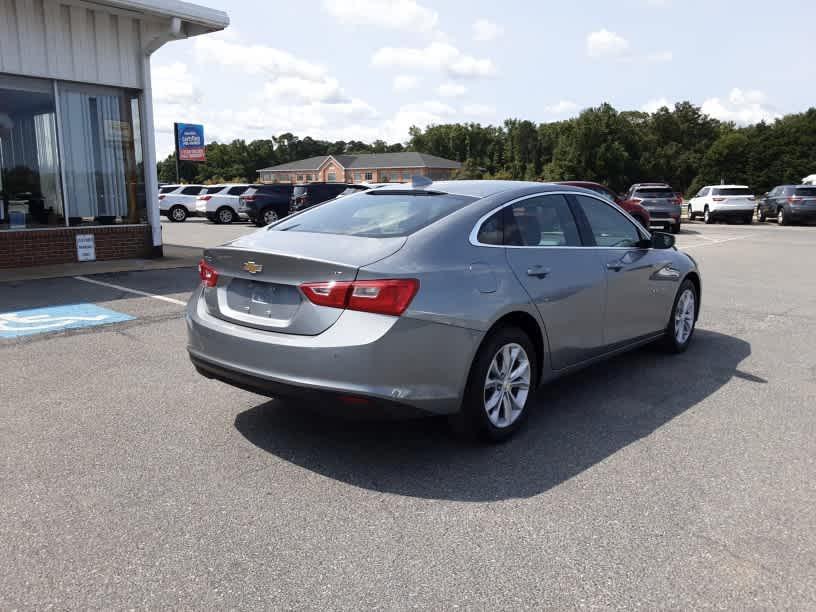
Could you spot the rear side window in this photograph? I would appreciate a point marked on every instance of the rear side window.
(492, 230)
(236, 191)
(541, 221)
(191, 191)
(732, 191)
(654, 192)
(213, 190)
(373, 215)
(807, 192)
(168, 188)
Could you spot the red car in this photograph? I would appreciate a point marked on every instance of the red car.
(634, 209)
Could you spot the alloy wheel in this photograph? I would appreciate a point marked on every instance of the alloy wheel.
(684, 316)
(225, 215)
(780, 216)
(179, 214)
(507, 385)
(270, 216)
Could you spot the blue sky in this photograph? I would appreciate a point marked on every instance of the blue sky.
(368, 69)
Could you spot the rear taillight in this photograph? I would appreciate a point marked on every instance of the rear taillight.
(248, 198)
(388, 296)
(635, 200)
(209, 277)
(161, 197)
(678, 200)
(795, 199)
(718, 199)
(204, 198)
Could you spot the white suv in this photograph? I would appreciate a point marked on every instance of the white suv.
(723, 202)
(177, 202)
(220, 203)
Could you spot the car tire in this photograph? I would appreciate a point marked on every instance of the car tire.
(225, 215)
(477, 419)
(674, 341)
(760, 215)
(781, 217)
(748, 219)
(707, 218)
(177, 214)
(675, 229)
(691, 215)
(268, 216)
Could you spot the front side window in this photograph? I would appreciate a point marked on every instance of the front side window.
(609, 227)
(375, 215)
(543, 221)
(168, 188)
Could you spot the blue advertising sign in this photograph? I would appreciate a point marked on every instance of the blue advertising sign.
(190, 142)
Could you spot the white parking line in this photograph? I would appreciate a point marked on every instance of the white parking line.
(691, 246)
(129, 290)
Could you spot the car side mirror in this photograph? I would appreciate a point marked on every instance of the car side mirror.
(662, 240)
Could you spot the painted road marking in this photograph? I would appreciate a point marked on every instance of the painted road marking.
(134, 291)
(710, 242)
(57, 318)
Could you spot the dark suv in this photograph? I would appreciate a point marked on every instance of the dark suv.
(660, 200)
(308, 195)
(265, 204)
(635, 210)
(788, 204)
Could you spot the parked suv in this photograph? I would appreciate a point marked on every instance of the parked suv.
(715, 202)
(305, 196)
(265, 204)
(220, 202)
(177, 202)
(660, 200)
(634, 209)
(788, 204)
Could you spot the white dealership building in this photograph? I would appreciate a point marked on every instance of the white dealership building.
(77, 152)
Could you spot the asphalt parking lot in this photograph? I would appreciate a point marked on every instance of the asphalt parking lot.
(128, 481)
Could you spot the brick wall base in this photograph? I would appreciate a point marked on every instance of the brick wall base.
(22, 249)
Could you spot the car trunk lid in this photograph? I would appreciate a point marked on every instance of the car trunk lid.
(259, 277)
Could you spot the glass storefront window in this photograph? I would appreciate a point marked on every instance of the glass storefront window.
(30, 191)
(103, 179)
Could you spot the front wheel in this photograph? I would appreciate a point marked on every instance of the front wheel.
(269, 216)
(499, 388)
(224, 215)
(781, 217)
(683, 319)
(707, 216)
(760, 215)
(178, 214)
(691, 214)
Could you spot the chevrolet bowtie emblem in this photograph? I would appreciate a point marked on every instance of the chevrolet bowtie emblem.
(252, 267)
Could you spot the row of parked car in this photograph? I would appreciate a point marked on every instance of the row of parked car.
(260, 204)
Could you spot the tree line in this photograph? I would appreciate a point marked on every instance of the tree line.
(681, 146)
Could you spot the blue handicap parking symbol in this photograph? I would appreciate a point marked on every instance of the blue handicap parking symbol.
(56, 318)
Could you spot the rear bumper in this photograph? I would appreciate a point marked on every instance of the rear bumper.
(731, 213)
(389, 361)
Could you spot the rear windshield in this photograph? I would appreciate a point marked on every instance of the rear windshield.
(168, 188)
(731, 191)
(809, 192)
(368, 214)
(655, 192)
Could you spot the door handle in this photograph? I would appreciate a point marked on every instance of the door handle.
(538, 271)
(614, 265)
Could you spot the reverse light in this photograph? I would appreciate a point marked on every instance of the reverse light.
(386, 296)
(204, 198)
(208, 275)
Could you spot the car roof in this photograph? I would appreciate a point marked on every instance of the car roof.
(472, 188)
(639, 185)
(728, 186)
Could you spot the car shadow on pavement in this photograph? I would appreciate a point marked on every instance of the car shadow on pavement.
(578, 422)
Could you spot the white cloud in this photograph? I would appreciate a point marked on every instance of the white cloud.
(256, 59)
(304, 90)
(394, 14)
(405, 82)
(561, 107)
(439, 56)
(604, 43)
(451, 89)
(655, 104)
(485, 30)
(742, 107)
(173, 84)
(478, 109)
(660, 56)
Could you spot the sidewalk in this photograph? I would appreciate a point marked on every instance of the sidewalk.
(174, 257)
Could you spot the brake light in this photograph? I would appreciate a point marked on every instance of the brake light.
(204, 198)
(207, 274)
(248, 198)
(678, 200)
(718, 199)
(795, 199)
(162, 196)
(386, 296)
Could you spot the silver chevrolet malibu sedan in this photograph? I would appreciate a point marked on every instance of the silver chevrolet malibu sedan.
(456, 298)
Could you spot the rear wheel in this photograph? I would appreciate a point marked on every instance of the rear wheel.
(680, 328)
(691, 214)
(499, 388)
(760, 215)
(224, 215)
(177, 214)
(675, 229)
(269, 216)
(781, 217)
(707, 216)
(748, 219)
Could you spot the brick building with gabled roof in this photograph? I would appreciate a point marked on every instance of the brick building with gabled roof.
(367, 167)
